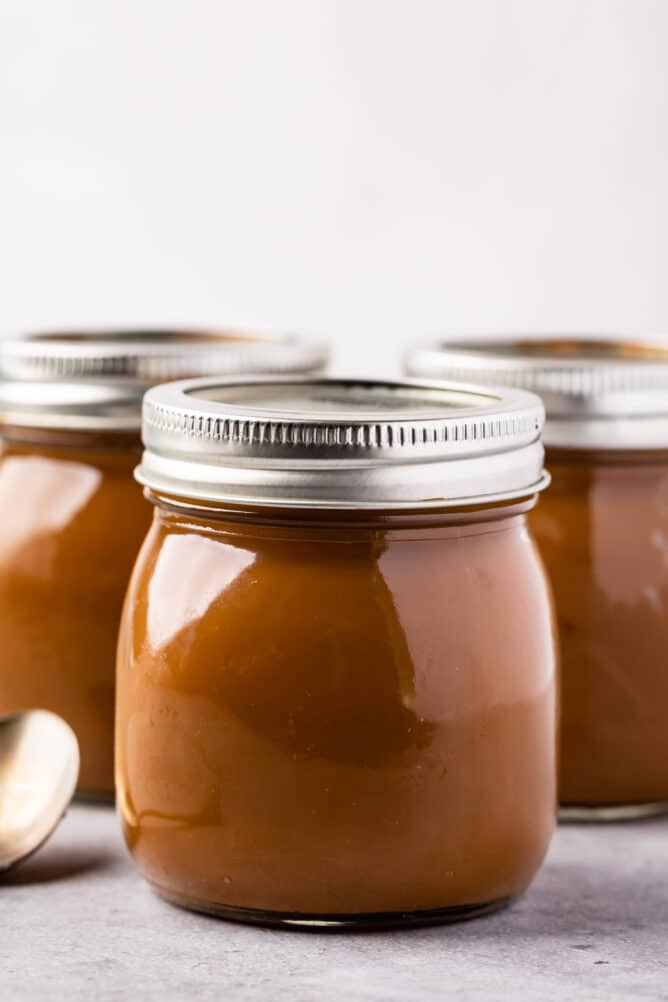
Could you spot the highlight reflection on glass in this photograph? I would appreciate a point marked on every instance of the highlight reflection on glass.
(301, 701)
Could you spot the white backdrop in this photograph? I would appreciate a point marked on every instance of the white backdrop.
(370, 170)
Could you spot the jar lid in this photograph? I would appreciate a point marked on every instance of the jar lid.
(602, 393)
(96, 379)
(341, 443)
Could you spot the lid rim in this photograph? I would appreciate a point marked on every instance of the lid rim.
(350, 443)
(564, 371)
(426, 504)
(122, 365)
(614, 397)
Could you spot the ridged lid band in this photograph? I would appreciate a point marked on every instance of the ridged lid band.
(341, 443)
(96, 379)
(602, 393)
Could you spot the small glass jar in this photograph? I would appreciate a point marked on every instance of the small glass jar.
(602, 528)
(336, 666)
(72, 516)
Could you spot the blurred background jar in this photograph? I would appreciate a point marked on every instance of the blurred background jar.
(72, 515)
(602, 528)
(336, 667)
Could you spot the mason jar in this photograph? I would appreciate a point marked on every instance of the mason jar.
(73, 517)
(602, 528)
(336, 666)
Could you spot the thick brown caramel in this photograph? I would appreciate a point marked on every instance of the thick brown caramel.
(602, 528)
(337, 715)
(72, 522)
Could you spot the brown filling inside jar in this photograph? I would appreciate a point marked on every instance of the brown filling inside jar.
(335, 714)
(602, 528)
(72, 522)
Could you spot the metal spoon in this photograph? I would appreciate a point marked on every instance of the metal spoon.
(39, 768)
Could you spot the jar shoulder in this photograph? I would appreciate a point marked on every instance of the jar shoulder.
(474, 598)
(68, 508)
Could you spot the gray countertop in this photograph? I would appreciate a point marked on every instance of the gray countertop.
(77, 922)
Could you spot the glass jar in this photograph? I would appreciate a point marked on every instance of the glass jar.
(336, 668)
(602, 528)
(72, 516)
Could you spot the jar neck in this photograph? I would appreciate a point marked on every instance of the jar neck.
(212, 515)
(59, 439)
(559, 455)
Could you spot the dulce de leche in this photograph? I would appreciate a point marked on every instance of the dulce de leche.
(336, 667)
(72, 515)
(602, 528)
(72, 523)
(603, 532)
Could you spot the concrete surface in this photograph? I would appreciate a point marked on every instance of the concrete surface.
(77, 923)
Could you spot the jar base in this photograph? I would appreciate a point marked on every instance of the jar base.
(601, 813)
(355, 921)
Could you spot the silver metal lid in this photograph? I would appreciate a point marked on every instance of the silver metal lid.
(96, 379)
(341, 443)
(599, 393)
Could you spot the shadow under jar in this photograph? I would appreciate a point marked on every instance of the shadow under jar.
(336, 667)
(602, 528)
(72, 516)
